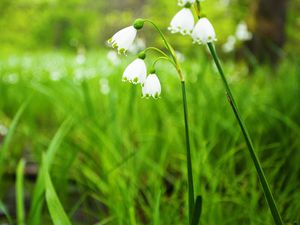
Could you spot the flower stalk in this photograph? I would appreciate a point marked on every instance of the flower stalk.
(135, 73)
(267, 191)
(176, 64)
(191, 197)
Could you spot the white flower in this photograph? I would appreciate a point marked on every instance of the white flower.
(242, 32)
(135, 72)
(182, 22)
(113, 57)
(137, 46)
(203, 32)
(229, 45)
(185, 2)
(123, 39)
(151, 87)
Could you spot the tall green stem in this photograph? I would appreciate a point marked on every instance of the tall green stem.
(260, 172)
(188, 155)
(191, 200)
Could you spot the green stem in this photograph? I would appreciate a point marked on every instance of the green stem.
(163, 58)
(156, 49)
(169, 47)
(260, 172)
(188, 155)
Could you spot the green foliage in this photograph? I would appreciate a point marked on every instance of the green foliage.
(20, 193)
(119, 159)
(75, 24)
(57, 213)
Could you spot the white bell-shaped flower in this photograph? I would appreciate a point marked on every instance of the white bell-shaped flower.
(242, 33)
(203, 32)
(135, 72)
(185, 2)
(151, 87)
(182, 22)
(123, 39)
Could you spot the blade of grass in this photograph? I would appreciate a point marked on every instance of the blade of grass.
(20, 193)
(263, 180)
(11, 131)
(57, 212)
(197, 210)
(156, 214)
(132, 216)
(4, 210)
(38, 193)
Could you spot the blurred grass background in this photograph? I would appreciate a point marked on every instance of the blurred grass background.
(118, 159)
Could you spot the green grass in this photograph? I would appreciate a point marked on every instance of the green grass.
(119, 159)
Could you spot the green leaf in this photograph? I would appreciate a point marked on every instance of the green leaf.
(20, 193)
(57, 212)
(38, 194)
(197, 210)
(5, 148)
(4, 210)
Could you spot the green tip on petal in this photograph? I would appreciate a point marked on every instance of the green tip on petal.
(122, 51)
(135, 80)
(114, 45)
(138, 23)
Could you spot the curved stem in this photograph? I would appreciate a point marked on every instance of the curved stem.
(260, 172)
(169, 47)
(156, 49)
(188, 155)
(191, 200)
(163, 58)
(197, 9)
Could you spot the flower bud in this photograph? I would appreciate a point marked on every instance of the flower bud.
(142, 55)
(138, 23)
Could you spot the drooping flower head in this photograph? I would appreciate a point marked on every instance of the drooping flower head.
(203, 32)
(185, 3)
(151, 87)
(135, 72)
(182, 22)
(123, 39)
(242, 33)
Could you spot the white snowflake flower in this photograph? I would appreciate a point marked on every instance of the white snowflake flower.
(242, 33)
(183, 22)
(123, 39)
(203, 32)
(151, 87)
(229, 45)
(135, 72)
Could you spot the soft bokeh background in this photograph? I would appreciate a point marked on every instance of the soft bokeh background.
(115, 158)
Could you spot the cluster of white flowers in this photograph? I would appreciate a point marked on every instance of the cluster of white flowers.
(183, 22)
(135, 72)
(241, 34)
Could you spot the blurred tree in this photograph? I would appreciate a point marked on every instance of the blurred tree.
(268, 26)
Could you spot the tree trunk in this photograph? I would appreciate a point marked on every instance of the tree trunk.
(268, 27)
